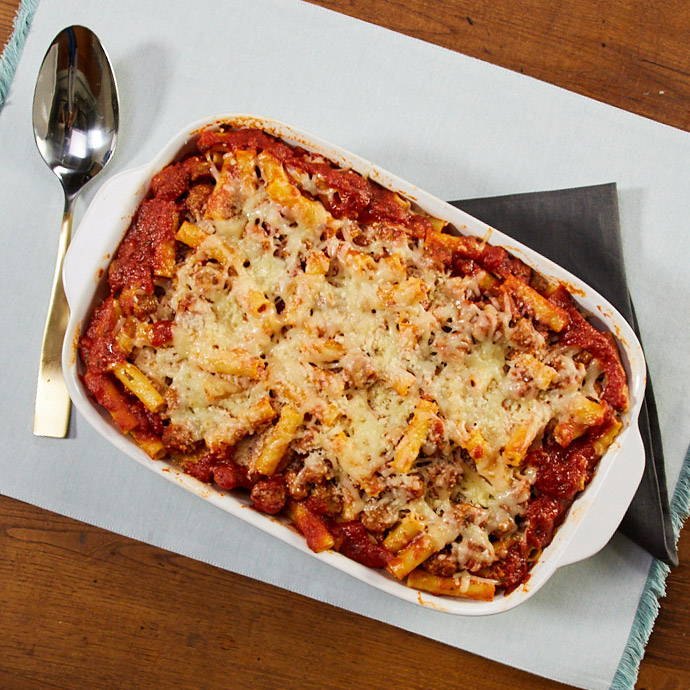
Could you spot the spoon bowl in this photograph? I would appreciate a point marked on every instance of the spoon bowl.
(75, 119)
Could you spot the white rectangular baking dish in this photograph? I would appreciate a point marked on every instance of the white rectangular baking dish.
(592, 519)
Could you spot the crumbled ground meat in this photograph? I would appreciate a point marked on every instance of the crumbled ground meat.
(179, 438)
(441, 564)
(378, 517)
(302, 472)
(324, 499)
(138, 303)
(358, 368)
(442, 474)
(296, 486)
(196, 200)
(230, 475)
(525, 335)
(202, 468)
(413, 484)
(269, 495)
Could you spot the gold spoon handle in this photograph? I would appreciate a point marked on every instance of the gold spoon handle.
(51, 417)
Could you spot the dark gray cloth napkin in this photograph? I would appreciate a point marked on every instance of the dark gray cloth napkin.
(580, 230)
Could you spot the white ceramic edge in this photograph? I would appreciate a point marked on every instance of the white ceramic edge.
(590, 523)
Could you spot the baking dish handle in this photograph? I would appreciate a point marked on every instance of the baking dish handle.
(92, 248)
(602, 517)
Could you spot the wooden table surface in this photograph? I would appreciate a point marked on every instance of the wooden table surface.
(83, 608)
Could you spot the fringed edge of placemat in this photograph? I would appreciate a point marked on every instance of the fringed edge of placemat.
(654, 589)
(13, 50)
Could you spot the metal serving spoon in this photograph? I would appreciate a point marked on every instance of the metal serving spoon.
(76, 118)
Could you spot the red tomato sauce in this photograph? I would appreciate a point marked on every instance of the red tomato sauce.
(354, 541)
(162, 333)
(153, 227)
(99, 347)
(600, 345)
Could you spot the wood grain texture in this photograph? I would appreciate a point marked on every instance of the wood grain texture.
(83, 608)
(7, 13)
(629, 53)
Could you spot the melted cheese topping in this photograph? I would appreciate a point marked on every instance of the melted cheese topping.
(353, 326)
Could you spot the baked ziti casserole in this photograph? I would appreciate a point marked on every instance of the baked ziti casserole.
(418, 400)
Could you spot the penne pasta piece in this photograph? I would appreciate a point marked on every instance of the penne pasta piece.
(254, 302)
(139, 384)
(520, 441)
(408, 334)
(217, 388)
(464, 247)
(216, 248)
(530, 369)
(586, 411)
(259, 413)
(536, 305)
(357, 262)
(103, 388)
(311, 525)
(392, 268)
(412, 555)
(324, 351)
(317, 264)
(405, 293)
(229, 191)
(410, 444)
(281, 190)
(153, 447)
(437, 224)
(235, 362)
(466, 585)
(164, 259)
(583, 414)
(566, 432)
(191, 235)
(245, 162)
(605, 439)
(534, 555)
(486, 281)
(216, 157)
(278, 441)
(125, 341)
(403, 533)
(144, 332)
(400, 380)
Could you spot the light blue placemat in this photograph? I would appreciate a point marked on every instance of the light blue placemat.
(453, 125)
